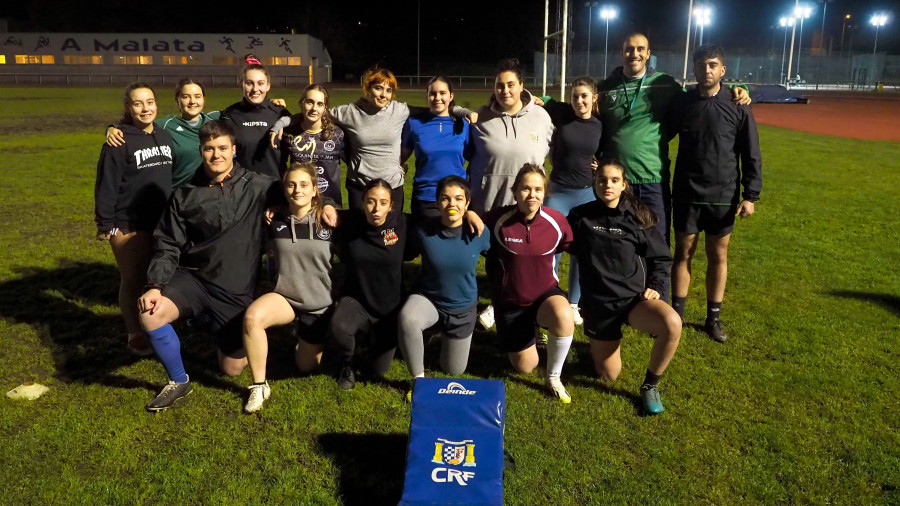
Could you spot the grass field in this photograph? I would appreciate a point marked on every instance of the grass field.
(800, 406)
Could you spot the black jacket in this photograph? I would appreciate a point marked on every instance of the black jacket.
(134, 180)
(251, 124)
(617, 258)
(214, 230)
(718, 150)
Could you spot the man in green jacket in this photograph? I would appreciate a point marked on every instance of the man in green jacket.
(635, 101)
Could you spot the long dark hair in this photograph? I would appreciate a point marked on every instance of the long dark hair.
(591, 85)
(327, 124)
(378, 183)
(644, 215)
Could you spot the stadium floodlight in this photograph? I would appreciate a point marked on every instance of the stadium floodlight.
(784, 23)
(801, 12)
(704, 17)
(878, 20)
(607, 13)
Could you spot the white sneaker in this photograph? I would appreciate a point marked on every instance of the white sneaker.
(258, 395)
(556, 388)
(486, 318)
(576, 313)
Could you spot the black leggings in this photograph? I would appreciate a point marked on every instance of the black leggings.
(351, 319)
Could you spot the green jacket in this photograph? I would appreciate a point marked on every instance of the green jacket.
(633, 112)
(186, 145)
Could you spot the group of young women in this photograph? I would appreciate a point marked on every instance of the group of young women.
(610, 237)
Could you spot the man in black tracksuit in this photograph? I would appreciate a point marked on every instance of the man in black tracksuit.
(206, 256)
(718, 155)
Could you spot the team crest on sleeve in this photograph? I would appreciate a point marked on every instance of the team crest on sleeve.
(390, 237)
(323, 233)
(456, 454)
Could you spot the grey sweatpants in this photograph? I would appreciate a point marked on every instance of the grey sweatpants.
(418, 315)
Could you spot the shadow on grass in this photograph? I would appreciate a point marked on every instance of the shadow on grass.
(889, 302)
(88, 346)
(371, 465)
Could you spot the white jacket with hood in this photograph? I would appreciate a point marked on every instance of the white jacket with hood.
(501, 144)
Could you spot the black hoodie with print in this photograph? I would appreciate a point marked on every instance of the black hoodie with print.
(134, 180)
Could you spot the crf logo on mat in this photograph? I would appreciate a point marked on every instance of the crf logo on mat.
(454, 453)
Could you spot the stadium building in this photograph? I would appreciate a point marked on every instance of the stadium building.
(116, 58)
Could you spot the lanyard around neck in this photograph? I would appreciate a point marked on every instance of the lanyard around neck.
(637, 92)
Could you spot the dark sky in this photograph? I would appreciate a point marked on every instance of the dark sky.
(463, 36)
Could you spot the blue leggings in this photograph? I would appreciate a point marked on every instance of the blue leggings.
(564, 199)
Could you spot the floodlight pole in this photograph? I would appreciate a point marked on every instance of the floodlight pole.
(875, 49)
(687, 40)
(606, 49)
(562, 70)
(822, 39)
(784, 47)
(800, 47)
(546, 20)
(590, 6)
(418, 41)
(787, 83)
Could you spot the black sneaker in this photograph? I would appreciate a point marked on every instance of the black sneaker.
(346, 379)
(715, 329)
(169, 394)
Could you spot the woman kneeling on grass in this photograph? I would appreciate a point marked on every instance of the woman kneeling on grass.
(524, 239)
(133, 184)
(623, 262)
(447, 292)
(303, 250)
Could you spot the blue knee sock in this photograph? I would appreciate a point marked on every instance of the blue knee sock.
(165, 343)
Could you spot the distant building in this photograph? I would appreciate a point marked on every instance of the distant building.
(95, 58)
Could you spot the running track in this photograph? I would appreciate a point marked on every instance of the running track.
(859, 116)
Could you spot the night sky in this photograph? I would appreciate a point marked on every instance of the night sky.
(462, 36)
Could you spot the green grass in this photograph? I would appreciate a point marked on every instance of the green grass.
(801, 405)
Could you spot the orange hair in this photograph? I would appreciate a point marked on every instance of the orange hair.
(376, 75)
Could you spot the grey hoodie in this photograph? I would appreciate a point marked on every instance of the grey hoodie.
(501, 144)
(303, 254)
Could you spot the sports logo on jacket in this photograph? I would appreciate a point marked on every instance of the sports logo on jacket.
(456, 454)
(329, 145)
(390, 237)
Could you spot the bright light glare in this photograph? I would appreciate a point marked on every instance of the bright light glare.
(703, 15)
(786, 22)
(608, 12)
(879, 19)
(803, 11)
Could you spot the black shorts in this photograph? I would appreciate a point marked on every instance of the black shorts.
(313, 328)
(457, 325)
(193, 297)
(515, 324)
(710, 218)
(603, 322)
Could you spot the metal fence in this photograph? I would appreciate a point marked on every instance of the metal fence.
(862, 70)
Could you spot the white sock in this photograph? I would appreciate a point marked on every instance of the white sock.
(420, 375)
(557, 349)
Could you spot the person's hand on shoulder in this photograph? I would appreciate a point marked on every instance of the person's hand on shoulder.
(114, 137)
